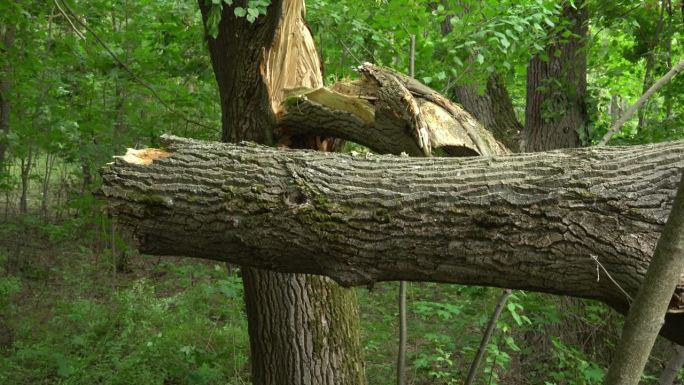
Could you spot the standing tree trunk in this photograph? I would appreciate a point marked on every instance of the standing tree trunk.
(26, 164)
(237, 57)
(556, 87)
(647, 313)
(303, 329)
(45, 201)
(555, 114)
(5, 86)
(493, 109)
(669, 374)
(653, 48)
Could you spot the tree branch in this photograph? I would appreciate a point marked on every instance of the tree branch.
(527, 221)
(633, 109)
(388, 112)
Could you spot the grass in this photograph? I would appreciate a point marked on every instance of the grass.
(171, 321)
(181, 321)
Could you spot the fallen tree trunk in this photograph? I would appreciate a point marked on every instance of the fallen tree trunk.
(580, 222)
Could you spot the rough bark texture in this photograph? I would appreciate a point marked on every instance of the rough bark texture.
(388, 112)
(673, 367)
(647, 313)
(308, 330)
(303, 329)
(493, 109)
(555, 111)
(529, 221)
(237, 56)
(556, 92)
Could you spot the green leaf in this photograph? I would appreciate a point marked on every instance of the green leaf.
(511, 343)
(512, 308)
(240, 12)
(213, 20)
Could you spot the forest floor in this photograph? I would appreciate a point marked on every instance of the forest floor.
(168, 320)
(66, 317)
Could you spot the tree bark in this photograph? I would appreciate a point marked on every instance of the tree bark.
(559, 91)
(303, 329)
(647, 313)
(491, 325)
(537, 221)
(25, 168)
(237, 57)
(5, 86)
(556, 87)
(674, 365)
(494, 110)
(388, 112)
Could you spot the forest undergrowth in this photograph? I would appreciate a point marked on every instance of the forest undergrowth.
(70, 317)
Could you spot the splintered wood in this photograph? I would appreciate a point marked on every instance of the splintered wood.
(388, 112)
(144, 156)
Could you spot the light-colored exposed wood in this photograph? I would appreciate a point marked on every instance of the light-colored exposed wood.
(144, 156)
(389, 113)
(293, 60)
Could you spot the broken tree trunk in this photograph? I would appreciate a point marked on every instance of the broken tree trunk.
(303, 329)
(388, 112)
(580, 222)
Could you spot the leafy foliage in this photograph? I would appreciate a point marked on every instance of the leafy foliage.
(90, 78)
(193, 332)
(250, 11)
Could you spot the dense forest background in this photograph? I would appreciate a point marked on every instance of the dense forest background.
(81, 81)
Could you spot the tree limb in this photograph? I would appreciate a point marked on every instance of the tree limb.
(388, 112)
(631, 110)
(646, 314)
(527, 221)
